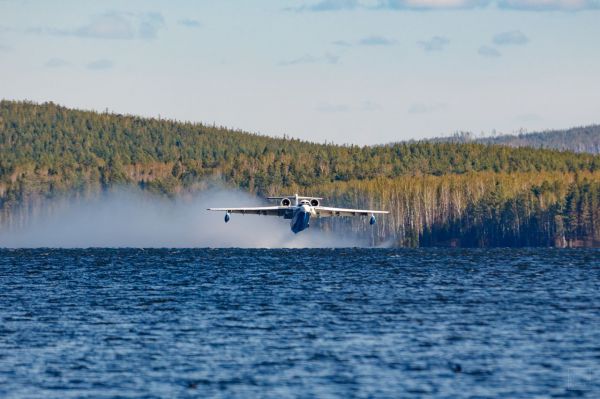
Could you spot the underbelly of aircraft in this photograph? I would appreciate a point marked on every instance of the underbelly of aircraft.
(300, 221)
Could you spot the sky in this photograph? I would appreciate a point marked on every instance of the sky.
(343, 71)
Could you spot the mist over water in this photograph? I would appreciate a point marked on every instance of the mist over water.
(136, 219)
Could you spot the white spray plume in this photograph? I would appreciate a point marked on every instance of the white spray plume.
(134, 219)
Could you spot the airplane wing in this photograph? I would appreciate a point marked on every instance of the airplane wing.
(257, 210)
(325, 211)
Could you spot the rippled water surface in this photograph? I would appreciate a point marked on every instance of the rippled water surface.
(299, 323)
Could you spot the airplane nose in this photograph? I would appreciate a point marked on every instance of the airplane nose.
(305, 208)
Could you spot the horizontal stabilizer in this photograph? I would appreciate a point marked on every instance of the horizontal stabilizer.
(300, 197)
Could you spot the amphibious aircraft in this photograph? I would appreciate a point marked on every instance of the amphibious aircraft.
(299, 212)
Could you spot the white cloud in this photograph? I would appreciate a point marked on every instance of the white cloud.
(526, 5)
(56, 63)
(376, 41)
(150, 24)
(341, 5)
(430, 4)
(190, 23)
(328, 5)
(489, 52)
(372, 40)
(549, 5)
(101, 64)
(514, 37)
(311, 59)
(436, 43)
(112, 25)
(106, 26)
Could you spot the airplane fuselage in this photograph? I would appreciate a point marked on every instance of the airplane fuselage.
(300, 218)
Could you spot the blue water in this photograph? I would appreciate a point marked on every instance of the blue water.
(299, 323)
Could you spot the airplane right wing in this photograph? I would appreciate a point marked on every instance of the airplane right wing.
(325, 211)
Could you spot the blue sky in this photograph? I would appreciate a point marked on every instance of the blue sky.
(348, 71)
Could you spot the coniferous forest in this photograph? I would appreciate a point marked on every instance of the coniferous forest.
(577, 139)
(439, 193)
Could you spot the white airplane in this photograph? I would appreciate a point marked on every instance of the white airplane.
(300, 212)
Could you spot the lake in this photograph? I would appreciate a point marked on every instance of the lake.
(307, 323)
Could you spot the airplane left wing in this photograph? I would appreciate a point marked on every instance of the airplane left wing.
(325, 211)
(257, 210)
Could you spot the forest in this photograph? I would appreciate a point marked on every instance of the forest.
(464, 194)
(576, 139)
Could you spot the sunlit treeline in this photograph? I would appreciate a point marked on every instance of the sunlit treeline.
(479, 209)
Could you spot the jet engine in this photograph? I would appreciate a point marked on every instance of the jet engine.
(286, 202)
(314, 202)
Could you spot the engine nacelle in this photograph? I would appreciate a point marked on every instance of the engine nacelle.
(314, 202)
(227, 217)
(286, 202)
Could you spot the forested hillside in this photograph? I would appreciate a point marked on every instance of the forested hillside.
(464, 194)
(577, 139)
